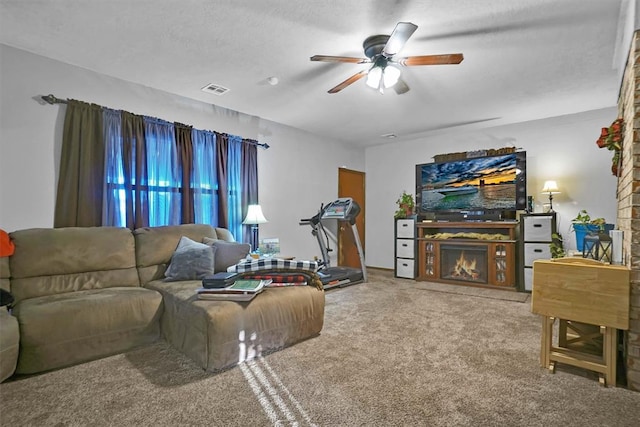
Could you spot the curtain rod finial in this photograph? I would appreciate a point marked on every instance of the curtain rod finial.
(49, 98)
(52, 99)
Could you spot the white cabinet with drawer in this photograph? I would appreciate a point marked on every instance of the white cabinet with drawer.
(405, 250)
(536, 233)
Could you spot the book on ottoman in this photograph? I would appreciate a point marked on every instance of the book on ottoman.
(240, 290)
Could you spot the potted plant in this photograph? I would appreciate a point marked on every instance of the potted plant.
(583, 224)
(406, 203)
(557, 246)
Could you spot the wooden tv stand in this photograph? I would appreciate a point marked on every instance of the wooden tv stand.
(491, 243)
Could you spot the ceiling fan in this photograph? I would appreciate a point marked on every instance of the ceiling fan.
(380, 50)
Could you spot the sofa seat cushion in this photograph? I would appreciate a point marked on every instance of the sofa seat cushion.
(220, 334)
(69, 328)
(9, 343)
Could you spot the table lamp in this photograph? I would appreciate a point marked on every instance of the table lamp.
(551, 188)
(253, 218)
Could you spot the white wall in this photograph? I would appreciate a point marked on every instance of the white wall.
(296, 174)
(299, 171)
(561, 148)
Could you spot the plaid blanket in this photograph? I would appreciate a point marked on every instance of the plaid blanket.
(279, 277)
(247, 265)
(280, 268)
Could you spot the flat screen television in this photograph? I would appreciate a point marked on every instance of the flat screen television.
(489, 186)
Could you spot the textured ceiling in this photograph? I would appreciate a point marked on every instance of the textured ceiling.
(523, 60)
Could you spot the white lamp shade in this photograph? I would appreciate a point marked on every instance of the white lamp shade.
(550, 187)
(390, 76)
(254, 215)
(373, 78)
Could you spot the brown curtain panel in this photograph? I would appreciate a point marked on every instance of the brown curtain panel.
(222, 145)
(135, 170)
(81, 178)
(185, 156)
(249, 181)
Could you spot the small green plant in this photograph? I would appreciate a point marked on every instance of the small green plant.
(583, 218)
(557, 246)
(406, 203)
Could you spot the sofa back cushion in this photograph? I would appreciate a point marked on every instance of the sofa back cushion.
(156, 245)
(51, 261)
(227, 253)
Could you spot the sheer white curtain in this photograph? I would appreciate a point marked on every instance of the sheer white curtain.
(204, 180)
(114, 204)
(163, 169)
(234, 190)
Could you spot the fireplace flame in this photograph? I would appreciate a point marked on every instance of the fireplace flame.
(465, 268)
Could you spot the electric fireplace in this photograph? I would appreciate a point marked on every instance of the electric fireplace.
(468, 253)
(465, 263)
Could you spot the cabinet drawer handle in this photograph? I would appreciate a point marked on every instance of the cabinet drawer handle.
(405, 225)
(537, 225)
(405, 265)
(404, 245)
(537, 250)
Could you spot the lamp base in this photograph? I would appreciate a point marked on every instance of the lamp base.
(254, 239)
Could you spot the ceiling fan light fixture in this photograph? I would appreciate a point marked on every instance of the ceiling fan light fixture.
(390, 76)
(374, 76)
(380, 77)
(380, 51)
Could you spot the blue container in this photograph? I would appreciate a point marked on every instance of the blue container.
(582, 230)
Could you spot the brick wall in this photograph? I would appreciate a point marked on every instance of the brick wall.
(629, 202)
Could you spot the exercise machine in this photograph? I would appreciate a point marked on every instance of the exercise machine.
(343, 210)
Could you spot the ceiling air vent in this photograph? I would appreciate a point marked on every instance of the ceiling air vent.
(215, 89)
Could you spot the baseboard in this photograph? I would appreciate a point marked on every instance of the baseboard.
(381, 270)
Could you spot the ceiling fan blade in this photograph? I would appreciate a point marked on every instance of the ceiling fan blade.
(349, 59)
(398, 38)
(350, 80)
(401, 87)
(452, 58)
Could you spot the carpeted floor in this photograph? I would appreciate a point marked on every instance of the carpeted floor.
(393, 352)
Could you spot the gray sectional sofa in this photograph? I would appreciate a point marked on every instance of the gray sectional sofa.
(86, 293)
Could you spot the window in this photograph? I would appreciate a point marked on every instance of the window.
(156, 184)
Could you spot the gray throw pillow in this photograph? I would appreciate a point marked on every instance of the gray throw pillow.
(227, 253)
(191, 261)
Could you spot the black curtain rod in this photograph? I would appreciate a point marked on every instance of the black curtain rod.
(263, 145)
(252, 141)
(51, 99)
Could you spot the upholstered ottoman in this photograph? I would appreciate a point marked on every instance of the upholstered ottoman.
(219, 334)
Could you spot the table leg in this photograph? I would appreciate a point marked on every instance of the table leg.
(610, 355)
(562, 333)
(546, 340)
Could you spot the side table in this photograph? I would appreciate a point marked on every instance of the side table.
(581, 291)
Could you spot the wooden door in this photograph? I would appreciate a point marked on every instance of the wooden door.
(351, 184)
